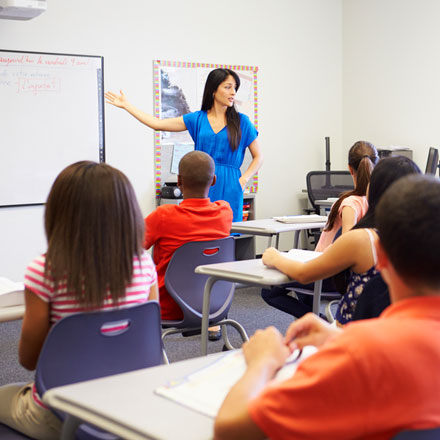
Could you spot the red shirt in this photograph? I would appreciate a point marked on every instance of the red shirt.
(379, 377)
(171, 226)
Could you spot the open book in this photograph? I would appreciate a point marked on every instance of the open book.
(11, 294)
(313, 218)
(205, 390)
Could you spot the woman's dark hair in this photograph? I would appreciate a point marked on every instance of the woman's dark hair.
(362, 157)
(215, 78)
(94, 228)
(386, 172)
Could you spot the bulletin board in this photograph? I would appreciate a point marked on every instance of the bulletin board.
(178, 89)
(52, 114)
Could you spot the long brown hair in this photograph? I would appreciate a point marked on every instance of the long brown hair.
(362, 157)
(215, 78)
(94, 228)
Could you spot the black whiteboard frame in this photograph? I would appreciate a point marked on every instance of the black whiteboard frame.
(101, 153)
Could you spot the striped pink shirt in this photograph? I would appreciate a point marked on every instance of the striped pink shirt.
(63, 304)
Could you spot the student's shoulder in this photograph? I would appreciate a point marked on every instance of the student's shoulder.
(163, 211)
(222, 205)
(352, 238)
(37, 264)
(354, 200)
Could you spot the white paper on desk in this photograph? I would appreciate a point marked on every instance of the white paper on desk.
(313, 218)
(205, 390)
(301, 255)
(11, 294)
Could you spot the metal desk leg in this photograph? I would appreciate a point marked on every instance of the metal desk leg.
(317, 296)
(69, 428)
(269, 244)
(277, 241)
(205, 315)
(296, 240)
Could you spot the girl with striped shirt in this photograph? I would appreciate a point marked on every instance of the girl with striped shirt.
(94, 261)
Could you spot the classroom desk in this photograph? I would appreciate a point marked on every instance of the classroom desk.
(249, 272)
(270, 227)
(126, 404)
(11, 313)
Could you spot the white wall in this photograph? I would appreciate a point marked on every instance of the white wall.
(391, 73)
(295, 43)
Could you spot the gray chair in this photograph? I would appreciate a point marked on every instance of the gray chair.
(186, 288)
(418, 434)
(322, 185)
(86, 346)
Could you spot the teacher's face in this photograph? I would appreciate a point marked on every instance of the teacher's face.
(225, 93)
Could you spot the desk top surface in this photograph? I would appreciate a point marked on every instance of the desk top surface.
(11, 313)
(326, 202)
(251, 271)
(270, 226)
(126, 404)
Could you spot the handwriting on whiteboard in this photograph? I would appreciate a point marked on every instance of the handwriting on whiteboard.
(45, 60)
(35, 85)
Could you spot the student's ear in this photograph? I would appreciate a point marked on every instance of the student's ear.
(179, 181)
(214, 179)
(350, 168)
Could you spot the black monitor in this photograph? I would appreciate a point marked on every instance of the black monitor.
(432, 163)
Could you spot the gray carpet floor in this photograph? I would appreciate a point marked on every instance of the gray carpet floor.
(247, 308)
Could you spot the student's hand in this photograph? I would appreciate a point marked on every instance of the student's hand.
(266, 347)
(116, 100)
(309, 330)
(270, 256)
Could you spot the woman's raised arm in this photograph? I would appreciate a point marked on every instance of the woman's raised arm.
(171, 124)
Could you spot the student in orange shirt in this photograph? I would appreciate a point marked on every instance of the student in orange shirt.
(376, 377)
(195, 219)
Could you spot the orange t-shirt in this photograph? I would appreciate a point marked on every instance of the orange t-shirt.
(171, 226)
(379, 377)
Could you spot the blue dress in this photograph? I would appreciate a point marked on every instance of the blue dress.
(227, 162)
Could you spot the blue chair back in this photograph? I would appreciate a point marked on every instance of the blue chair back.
(186, 287)
(87, 346)
(418, 434)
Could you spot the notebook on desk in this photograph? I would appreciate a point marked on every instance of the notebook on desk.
(205, 390)
(313, 218)
(11, 294)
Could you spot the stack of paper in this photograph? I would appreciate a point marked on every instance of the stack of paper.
(302, 255)
(11, 294)
(314, 218)
(205, 390)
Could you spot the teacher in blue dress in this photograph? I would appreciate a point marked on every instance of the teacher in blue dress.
(217, 129)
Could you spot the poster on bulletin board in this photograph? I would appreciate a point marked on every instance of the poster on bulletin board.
(178, 89)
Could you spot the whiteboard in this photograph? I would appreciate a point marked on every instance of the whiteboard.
(51, 115)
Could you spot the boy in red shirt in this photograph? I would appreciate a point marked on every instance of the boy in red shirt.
(195, 219)
(372, 379)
